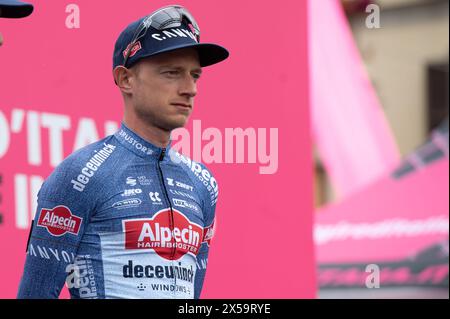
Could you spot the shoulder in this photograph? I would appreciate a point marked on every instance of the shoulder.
(77, 174)
(199, 174)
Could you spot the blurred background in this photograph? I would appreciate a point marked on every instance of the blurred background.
(407, 62)
(405, 58)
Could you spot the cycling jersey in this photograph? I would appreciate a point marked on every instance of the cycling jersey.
(122, 218)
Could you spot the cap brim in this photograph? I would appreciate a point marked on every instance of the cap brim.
(15, 10)
(208, 53)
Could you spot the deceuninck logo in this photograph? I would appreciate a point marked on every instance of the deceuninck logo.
(156, 233)
(59, 220)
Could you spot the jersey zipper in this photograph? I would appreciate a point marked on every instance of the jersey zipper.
(171, 219)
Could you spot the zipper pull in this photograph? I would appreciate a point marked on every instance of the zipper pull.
(161, 156)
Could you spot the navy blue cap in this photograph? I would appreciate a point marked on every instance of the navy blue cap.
(160, 41)
(15, 9)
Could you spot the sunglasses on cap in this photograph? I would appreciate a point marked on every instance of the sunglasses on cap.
(164, 18)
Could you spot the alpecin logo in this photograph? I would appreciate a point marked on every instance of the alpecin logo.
(59, 220)
(156, 233)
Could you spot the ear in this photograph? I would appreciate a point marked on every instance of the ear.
(122, 77)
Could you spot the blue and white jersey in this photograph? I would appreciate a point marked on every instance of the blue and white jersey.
(122, 218)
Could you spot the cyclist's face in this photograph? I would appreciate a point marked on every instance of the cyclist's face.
(164, 88)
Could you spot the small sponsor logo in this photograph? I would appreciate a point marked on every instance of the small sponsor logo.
(141, 287)
(179, 193)
(144, 181)
(172, 182)
(154, 196)
(131, 192)
(186, 204)
(136, 144)
(156, 233)
(209, 233)
(59, 220)
(127, 203)
(136, 47)
(131, 181)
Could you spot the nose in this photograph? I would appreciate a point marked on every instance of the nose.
(188, 87)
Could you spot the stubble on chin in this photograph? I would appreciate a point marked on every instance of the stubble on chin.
(150, 118)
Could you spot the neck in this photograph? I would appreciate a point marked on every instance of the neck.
(150, 133)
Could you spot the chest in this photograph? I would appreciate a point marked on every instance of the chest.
(154, 193)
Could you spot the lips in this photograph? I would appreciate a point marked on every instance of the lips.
(185, 105)
(183, 108)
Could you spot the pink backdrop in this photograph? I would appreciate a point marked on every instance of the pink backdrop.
(343, 101)
(57, 94)
(390, 220)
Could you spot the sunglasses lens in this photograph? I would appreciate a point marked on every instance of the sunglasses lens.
(168, 17)
(172, 17)
(191, 19)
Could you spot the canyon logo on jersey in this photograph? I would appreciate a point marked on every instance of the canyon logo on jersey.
(59, 220)
(156, 233)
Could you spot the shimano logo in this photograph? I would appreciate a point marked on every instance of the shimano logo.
(131, 181)
(88, 171)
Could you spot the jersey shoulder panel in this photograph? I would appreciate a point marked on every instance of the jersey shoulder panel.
(79, 174)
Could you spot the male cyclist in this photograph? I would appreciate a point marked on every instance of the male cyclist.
(127, 216)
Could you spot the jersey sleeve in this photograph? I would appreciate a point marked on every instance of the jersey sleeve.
(58, 226)
(209, 206)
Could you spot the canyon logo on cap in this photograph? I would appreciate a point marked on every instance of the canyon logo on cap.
(166, 29)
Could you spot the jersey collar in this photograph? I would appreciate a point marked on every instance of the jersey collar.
(138, 145)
